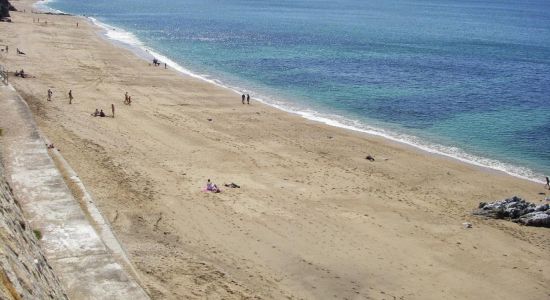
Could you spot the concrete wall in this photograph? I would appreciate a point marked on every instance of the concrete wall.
(24, 271)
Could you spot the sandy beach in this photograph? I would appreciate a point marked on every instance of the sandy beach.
(312, 219)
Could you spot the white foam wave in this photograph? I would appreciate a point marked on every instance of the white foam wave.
(128, 38)
(118, 34)
(43, 6)
(448, 151)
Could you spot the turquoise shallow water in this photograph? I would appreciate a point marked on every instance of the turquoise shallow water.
(466, 78)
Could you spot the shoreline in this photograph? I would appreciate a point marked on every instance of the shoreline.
(312, 217)
(129, 40)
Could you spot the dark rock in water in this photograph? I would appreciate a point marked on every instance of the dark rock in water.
(517, 210)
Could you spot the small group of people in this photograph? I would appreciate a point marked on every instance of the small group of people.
(127, 99)
(157, 63)
(98, 113)
(21, 74)
(50, 94)
(37, 20)
(247, 98)
(101, 113)
(212, 187)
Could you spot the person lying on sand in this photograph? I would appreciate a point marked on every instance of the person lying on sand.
(369, 158)
(95, 113)
(232, 185)
(20, 52)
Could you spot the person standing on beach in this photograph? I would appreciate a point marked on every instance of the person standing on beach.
(113, 109)
(70, 96)
(126, 98)
(50, 93)
(548, 182)
(247, 99)
(242, 98)
(165, 66)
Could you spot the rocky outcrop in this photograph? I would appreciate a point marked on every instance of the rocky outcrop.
(5, 8)
(24, 271)
(516, 210)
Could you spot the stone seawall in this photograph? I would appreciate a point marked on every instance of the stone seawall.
(24, 271)
(84, 263)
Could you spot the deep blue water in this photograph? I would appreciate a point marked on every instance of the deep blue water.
(470, 76)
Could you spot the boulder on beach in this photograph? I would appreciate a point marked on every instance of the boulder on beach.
(5, 8)
(516, 210)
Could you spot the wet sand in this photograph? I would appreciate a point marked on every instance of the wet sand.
(313, 218)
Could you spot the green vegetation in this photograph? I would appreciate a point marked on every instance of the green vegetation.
(37, 234)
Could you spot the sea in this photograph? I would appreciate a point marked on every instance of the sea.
(468, 79)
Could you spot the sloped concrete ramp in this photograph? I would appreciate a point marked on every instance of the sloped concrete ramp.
(79, 257)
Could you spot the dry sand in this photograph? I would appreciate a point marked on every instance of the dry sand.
(313, 218)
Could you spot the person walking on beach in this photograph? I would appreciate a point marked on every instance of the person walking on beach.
(126, 98)
(50, 95)
(247, 99)
(242, 98)
(70, 96)
(548, 182)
